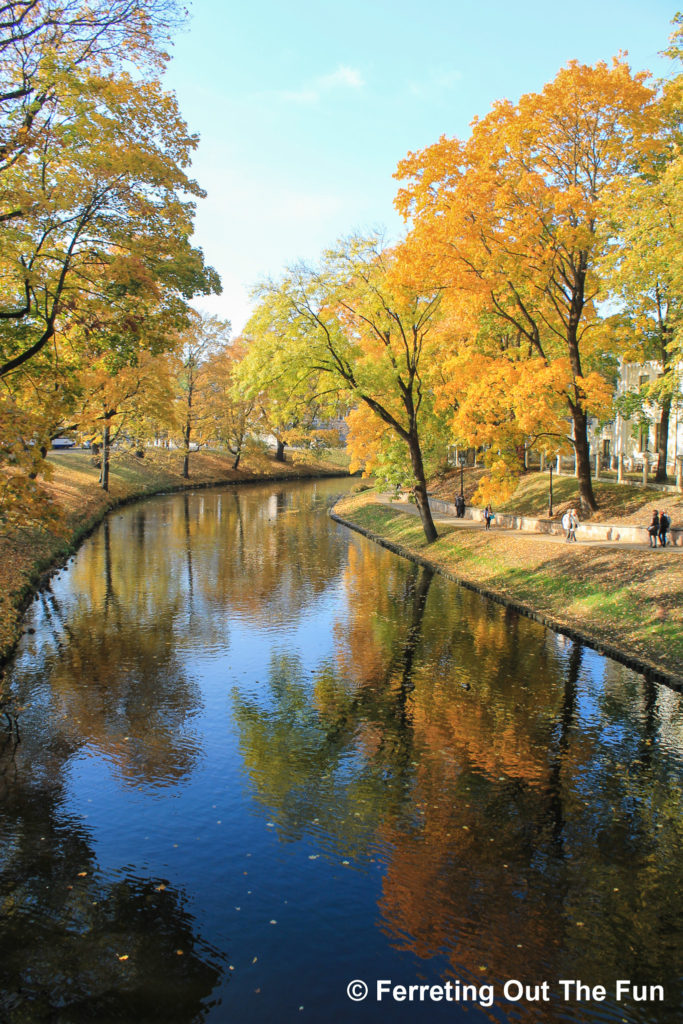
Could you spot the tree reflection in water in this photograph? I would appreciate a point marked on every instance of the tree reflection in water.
(490, 800)
(520, 840)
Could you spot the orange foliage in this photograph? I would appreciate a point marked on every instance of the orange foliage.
(514, 222)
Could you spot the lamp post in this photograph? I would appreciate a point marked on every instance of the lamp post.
(550, 493)
(462, 460)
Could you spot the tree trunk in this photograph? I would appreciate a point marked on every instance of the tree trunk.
(104, 468)
(187, 433)
(663, 443)
(237, 460)
(420, 490)
(583, 466)
(280, 451)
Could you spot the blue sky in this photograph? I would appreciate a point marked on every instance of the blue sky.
(305, 108)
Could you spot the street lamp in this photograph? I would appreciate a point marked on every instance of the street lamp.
(550, 493)
(462, 459)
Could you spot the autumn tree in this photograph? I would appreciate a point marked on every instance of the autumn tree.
(645, 269)
(121, 403)
(514, 220)
(357, 330)
(205, 337)
(112, 216)
(232, 414)
(502, 403)
(286, 394)
(101, 261)
(62, 97)
(46, 46)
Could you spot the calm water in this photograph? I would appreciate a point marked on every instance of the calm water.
(260, 757)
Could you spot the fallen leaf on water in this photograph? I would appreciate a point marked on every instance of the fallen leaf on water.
(254, 960)
(159, 888)
(273, 921)
(179, 952)
(82, 874)
(124, 956)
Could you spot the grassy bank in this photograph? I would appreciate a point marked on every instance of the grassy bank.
(628, 504)
(627, 600)
(25, 555)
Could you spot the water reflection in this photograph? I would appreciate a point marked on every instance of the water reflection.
(523, 837)
(251, 736)
(78, 946)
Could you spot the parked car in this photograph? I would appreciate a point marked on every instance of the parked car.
(63, 442)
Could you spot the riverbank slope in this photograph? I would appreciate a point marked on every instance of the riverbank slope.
(625, 603)
(80, 504)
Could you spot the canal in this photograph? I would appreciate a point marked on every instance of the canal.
(258, 758)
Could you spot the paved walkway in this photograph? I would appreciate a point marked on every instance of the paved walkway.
(542, 538)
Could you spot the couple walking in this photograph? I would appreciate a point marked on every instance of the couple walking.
(659, 527)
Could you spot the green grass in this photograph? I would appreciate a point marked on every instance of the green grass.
(629, 502)
(614, 500)
(338, 457)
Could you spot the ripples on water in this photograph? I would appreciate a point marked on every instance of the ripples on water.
(260, 757)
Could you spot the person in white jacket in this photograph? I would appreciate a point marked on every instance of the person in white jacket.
(570, 522)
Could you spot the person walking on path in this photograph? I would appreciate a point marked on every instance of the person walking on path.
(570, 522)
(573, 524)
(459, 506)
(488, 516)
(653, 529)
(664, 525)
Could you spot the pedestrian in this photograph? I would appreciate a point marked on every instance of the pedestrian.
(460, 507)
(653, 529)
(566, 524)
(664, 526)
(488, 516)
(573, 525)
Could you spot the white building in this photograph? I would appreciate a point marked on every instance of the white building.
(636, 440)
